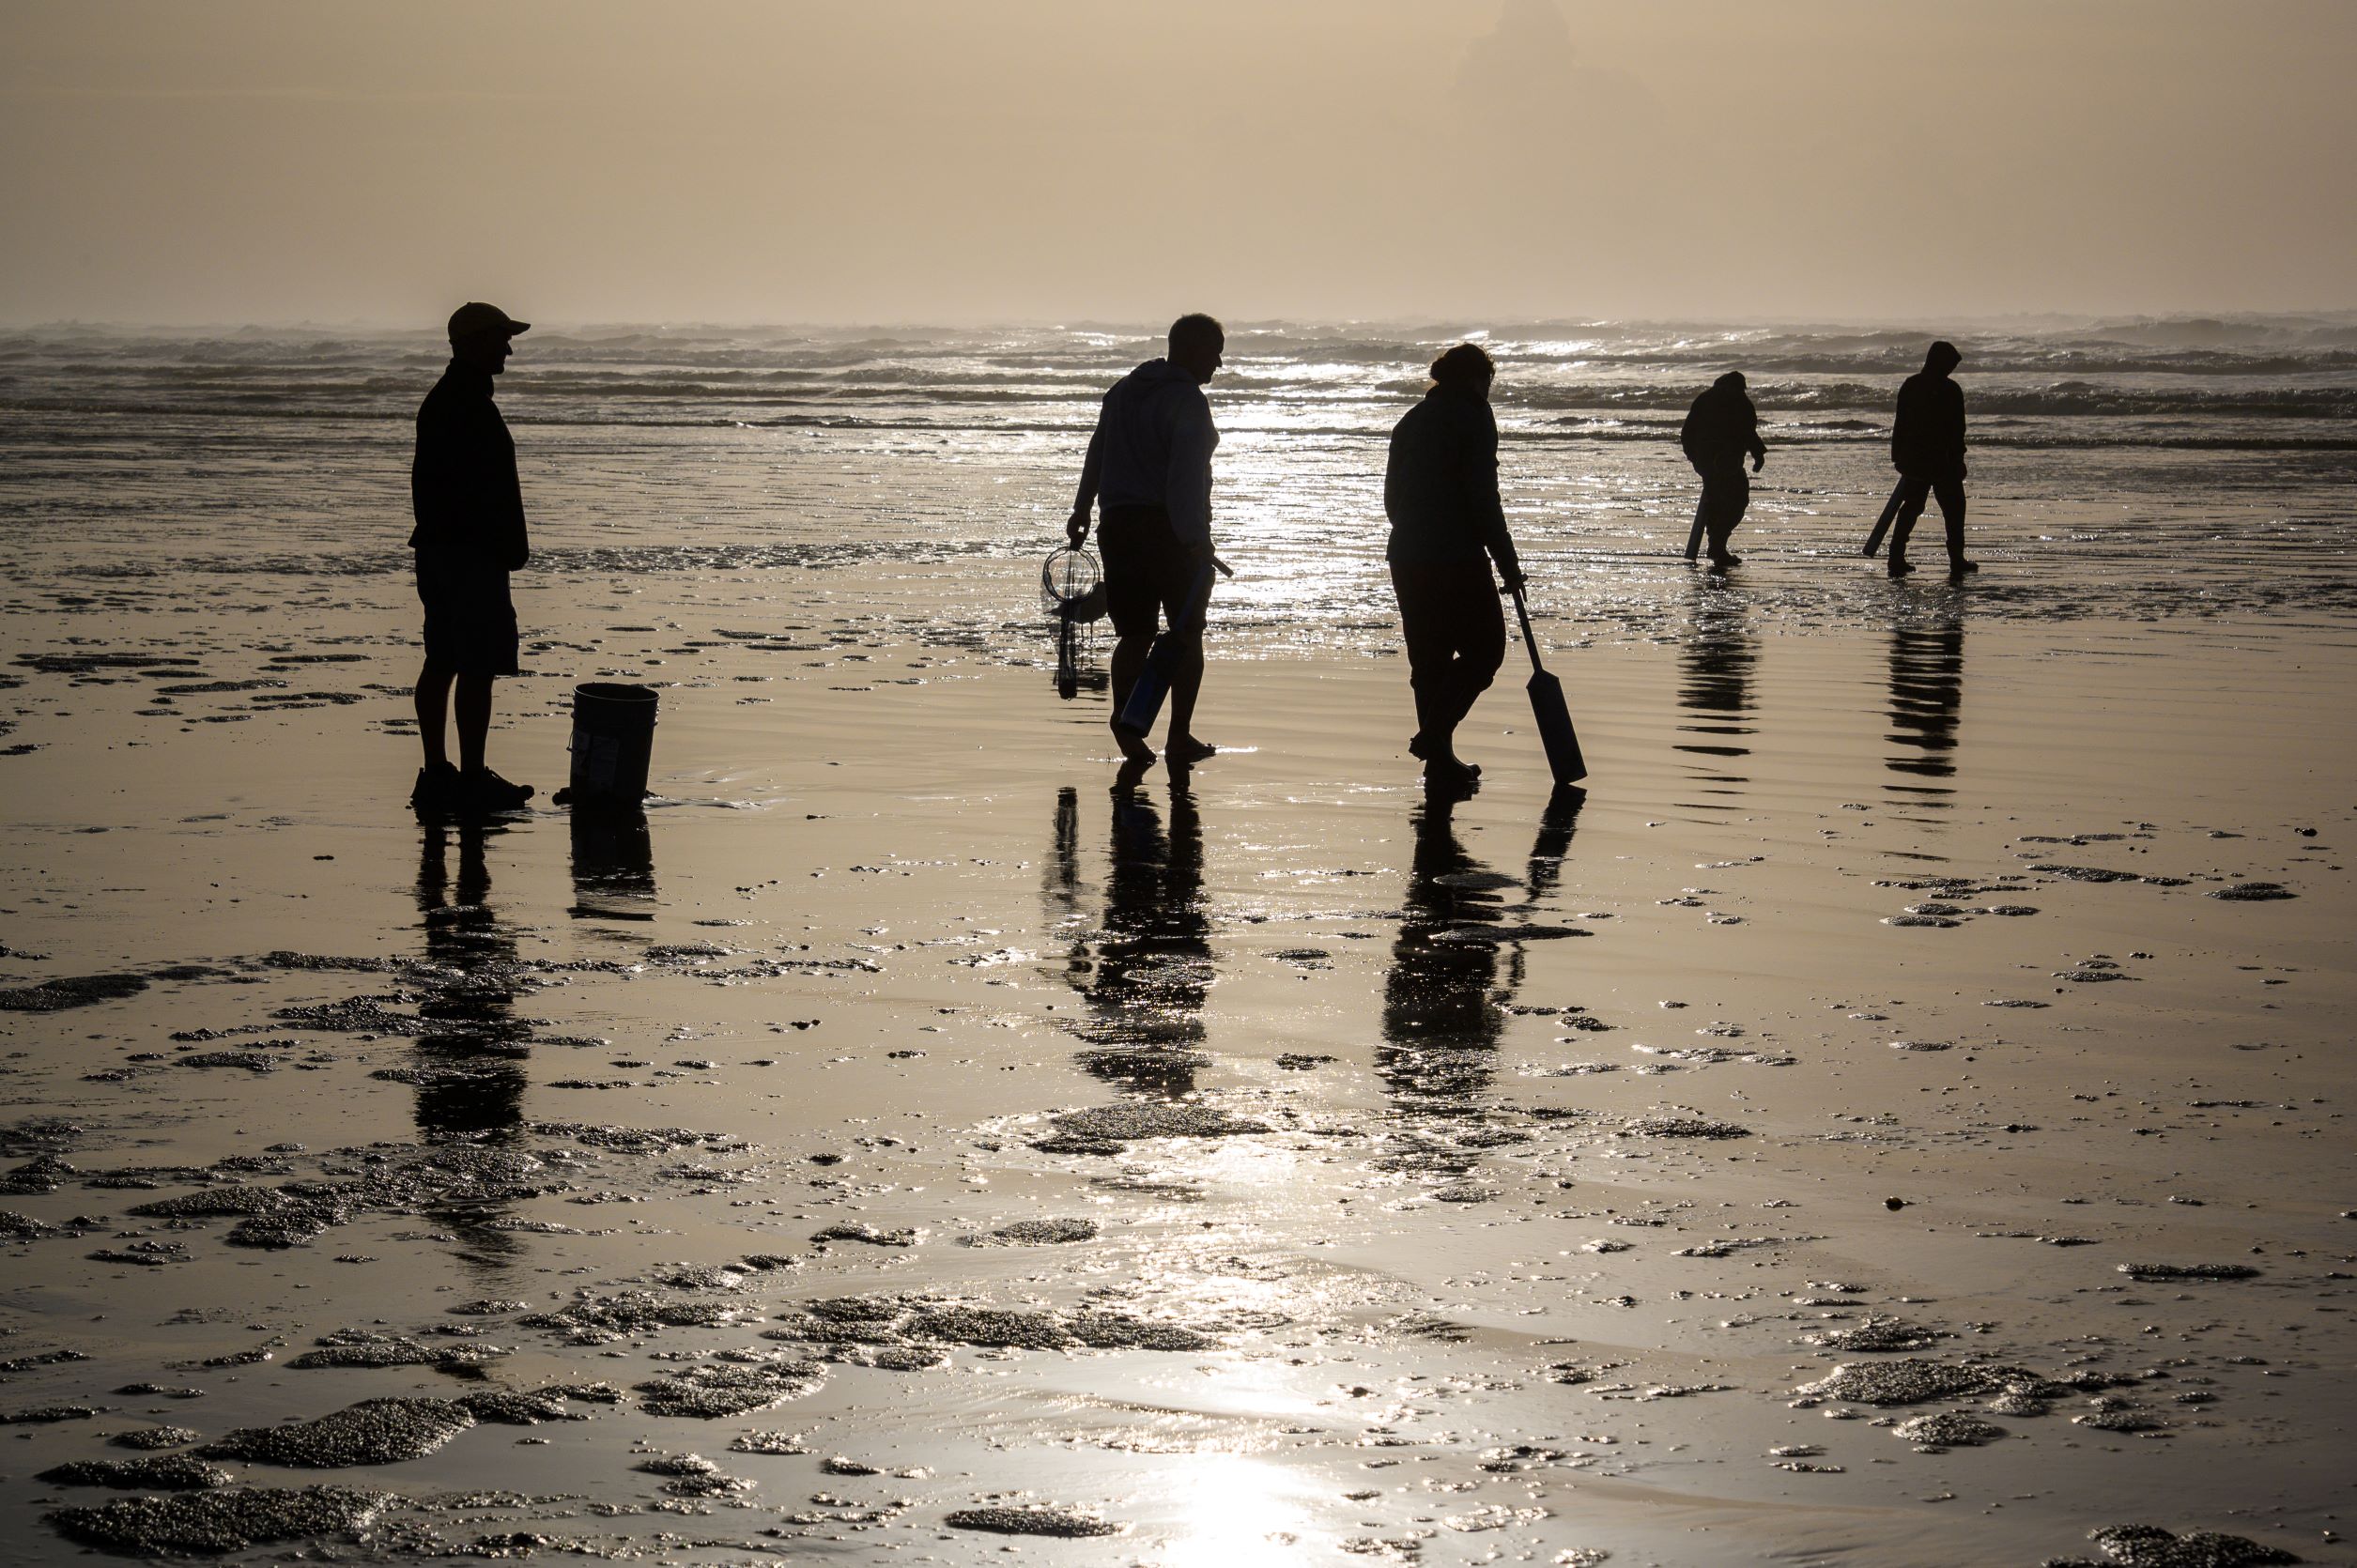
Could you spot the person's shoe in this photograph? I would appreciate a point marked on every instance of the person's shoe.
(1725, 557)
(1958, 566)
(483, 791)
(1899, 568)
(436, 789)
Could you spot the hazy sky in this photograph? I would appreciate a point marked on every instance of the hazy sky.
(941, 160)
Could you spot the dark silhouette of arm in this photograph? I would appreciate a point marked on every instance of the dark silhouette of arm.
(1188, 486)
(503, 494)
(1903, 433)
(1091, 474)
(1751, 441)
(464, 492)
(1477, 475)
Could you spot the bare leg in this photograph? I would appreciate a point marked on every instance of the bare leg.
(433, 707)
(1185, 683)
(1129, 662)
(1730, 497)
(1951, 498)
(474, 720)
(1910, 507)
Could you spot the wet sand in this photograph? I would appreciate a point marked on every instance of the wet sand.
(1280, 1168)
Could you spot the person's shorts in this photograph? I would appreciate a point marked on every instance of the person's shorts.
(469, 620)
(1148, 573)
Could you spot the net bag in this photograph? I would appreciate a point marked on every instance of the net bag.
(1073, 587)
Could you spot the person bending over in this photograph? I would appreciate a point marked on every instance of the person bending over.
(1720, 427)
(1148, 475)
(469, 535)
(1927, 447)
(1448, 525)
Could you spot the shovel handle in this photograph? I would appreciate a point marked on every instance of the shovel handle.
(1522, 614)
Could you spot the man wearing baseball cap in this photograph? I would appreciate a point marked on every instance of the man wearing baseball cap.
(469, 535)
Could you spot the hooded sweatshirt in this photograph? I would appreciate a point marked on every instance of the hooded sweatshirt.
(1927, 439)
(1440, 485)
(1153, 447)
(1722, 425)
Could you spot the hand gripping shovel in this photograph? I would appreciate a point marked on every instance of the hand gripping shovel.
(1162, 660)
(1548, 708)
(1881, 524)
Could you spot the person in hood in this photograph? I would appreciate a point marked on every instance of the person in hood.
(1448, 527)
(470, 534)
(1927, 447)
(1720, 427)
(1149, 476)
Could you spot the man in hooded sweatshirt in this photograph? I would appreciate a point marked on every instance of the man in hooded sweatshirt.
(1448, 527)
(1927, 447)
(1720, 427)
(1149, 475)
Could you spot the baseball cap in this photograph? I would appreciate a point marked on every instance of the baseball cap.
(475, 318)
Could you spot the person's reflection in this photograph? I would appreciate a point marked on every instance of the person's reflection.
(1456, 966)
(1715, 662)
(614, 866)
(1927, 691)
(1145, 975)
(468, 1073)
(468, 1070)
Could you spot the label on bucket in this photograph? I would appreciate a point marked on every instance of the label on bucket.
(595, 759)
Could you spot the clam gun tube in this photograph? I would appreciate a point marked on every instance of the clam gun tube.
(1881, 524)
(1153, 682)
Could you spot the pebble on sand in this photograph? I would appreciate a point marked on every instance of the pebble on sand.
(2151, 1546)
(174, 1472)
(1033, 1519)
(213, 1523)
(1036, 1233)
(372, 1432)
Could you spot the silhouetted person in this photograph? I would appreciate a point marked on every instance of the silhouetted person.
(1927, 447)
(1720, 427)
(1448, 525)
(469, 535)
(1149, 475)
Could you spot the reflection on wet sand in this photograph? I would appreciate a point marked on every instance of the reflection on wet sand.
(1927, 690)
(469, 1068)
(472, 1082)
(1457, 966)
(1715, 661)
(614, 866)
(1147, 969)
